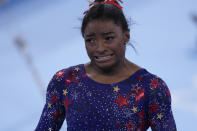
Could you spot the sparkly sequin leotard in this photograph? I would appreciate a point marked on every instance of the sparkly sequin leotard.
(141, 101)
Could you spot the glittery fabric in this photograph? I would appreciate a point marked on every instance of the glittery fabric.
(141, 101)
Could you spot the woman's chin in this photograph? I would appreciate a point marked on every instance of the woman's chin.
(105, 66)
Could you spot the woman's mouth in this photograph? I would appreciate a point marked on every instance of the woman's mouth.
(104, 58)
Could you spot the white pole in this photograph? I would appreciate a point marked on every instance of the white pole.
(22, 47)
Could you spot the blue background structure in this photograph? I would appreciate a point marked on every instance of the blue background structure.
(162, 32)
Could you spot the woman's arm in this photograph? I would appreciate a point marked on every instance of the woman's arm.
(159, 106)
(53, 113)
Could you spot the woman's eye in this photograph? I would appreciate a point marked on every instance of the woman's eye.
(109, 38)
(89, 40)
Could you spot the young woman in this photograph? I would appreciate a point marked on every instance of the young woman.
(110, 92)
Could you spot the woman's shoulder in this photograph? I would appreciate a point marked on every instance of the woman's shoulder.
(62, 73)
(144, 75)
(151, 79)
(154, 84)
(72, 68)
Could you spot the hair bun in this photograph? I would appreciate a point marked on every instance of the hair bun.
(113, 2)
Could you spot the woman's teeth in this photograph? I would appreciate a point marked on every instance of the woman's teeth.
(102, 57)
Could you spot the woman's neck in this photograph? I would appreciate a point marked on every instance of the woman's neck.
(114, 75)
(123, 68)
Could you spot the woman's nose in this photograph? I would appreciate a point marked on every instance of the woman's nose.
(100, 46)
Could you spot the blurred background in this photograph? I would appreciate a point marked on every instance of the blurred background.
(40, 37)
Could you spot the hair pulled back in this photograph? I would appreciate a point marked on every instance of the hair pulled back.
(105, 11)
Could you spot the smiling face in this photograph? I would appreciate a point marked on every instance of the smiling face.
(105, 43)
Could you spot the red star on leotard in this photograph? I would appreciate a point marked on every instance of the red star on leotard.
(67, 103)
(56, 114)
(129, 126)
(154, 83)
(139, 77)
(168, 92)
(154, 107)
(84, 75)
(141, 126)
(71, 77)
(54, 99)
(122, 101)
(59, 74)
(151, 123)
(138, 93)
(117, 123)
(141, 115)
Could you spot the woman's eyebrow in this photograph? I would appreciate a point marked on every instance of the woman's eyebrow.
(107, 33)
(90, 35)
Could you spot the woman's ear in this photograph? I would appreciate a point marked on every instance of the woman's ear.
(126, 36)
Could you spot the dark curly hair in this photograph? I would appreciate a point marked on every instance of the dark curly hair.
(105, 11)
